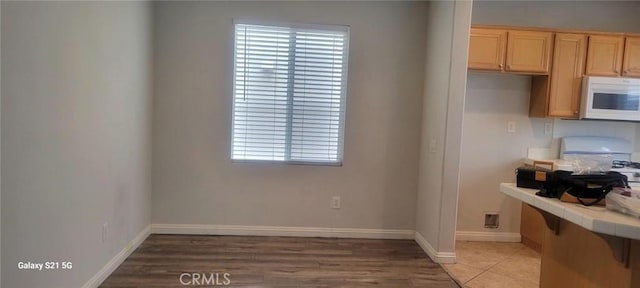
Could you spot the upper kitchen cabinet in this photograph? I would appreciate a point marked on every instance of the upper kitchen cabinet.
(517, 51)
(631, 64)
(487, 49)
(559, 94)
(528, 51)
(604, 56)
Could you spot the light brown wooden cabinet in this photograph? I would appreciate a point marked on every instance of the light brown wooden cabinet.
(566, 75)
(631, 64)
(576, 257)
(558, 95)
(531, 227)
(487, 48)
(528, 51)
(557, 60)
(604, 56)
(515, 51)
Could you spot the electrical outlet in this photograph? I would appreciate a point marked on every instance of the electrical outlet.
(105, 228)
(511, 127)
(548, 128)
(335, 202)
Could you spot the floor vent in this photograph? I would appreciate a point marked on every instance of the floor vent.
(491, 220)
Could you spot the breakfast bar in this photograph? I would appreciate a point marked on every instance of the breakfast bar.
(584, 246)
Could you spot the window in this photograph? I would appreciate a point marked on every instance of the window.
(289, 93)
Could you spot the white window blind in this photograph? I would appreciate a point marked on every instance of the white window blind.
(289, 93)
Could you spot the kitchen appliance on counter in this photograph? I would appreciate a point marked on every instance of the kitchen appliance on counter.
(610, 98)
(619, 149)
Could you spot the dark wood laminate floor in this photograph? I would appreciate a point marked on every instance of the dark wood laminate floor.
(279, 262)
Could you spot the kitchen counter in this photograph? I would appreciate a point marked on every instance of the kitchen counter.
(593, 218)
(587, 247)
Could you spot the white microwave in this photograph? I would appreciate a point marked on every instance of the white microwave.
(610, 98)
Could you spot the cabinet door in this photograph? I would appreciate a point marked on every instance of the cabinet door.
(631, 65)
(604, 55)
(532, 227)
(566, 75)
(528, 51)
(486, 49)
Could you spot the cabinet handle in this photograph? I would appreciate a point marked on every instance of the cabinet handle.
(500, 66)
(575, 112)
(509, 67)
(625, 71)
(616, 71)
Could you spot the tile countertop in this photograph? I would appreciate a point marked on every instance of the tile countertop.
(596, 219)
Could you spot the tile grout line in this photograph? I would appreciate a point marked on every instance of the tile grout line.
(483, 271)
(453, 275)
(513, 256)
(492, 266)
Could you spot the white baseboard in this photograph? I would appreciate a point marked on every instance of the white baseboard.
(238, 230)
(438, 257)
(488, 236)
(108, 268)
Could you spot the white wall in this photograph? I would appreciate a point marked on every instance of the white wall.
(442, 111)
(490, 155)
(194, 180)
(75, 136)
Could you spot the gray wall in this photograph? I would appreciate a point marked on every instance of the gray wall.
(194, 180)
(613, 16)
(75, 136)
(441, 131)
(490, 155)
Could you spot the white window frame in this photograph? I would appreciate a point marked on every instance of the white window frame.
(342, 115)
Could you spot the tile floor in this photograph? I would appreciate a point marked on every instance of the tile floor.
(495, 265)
